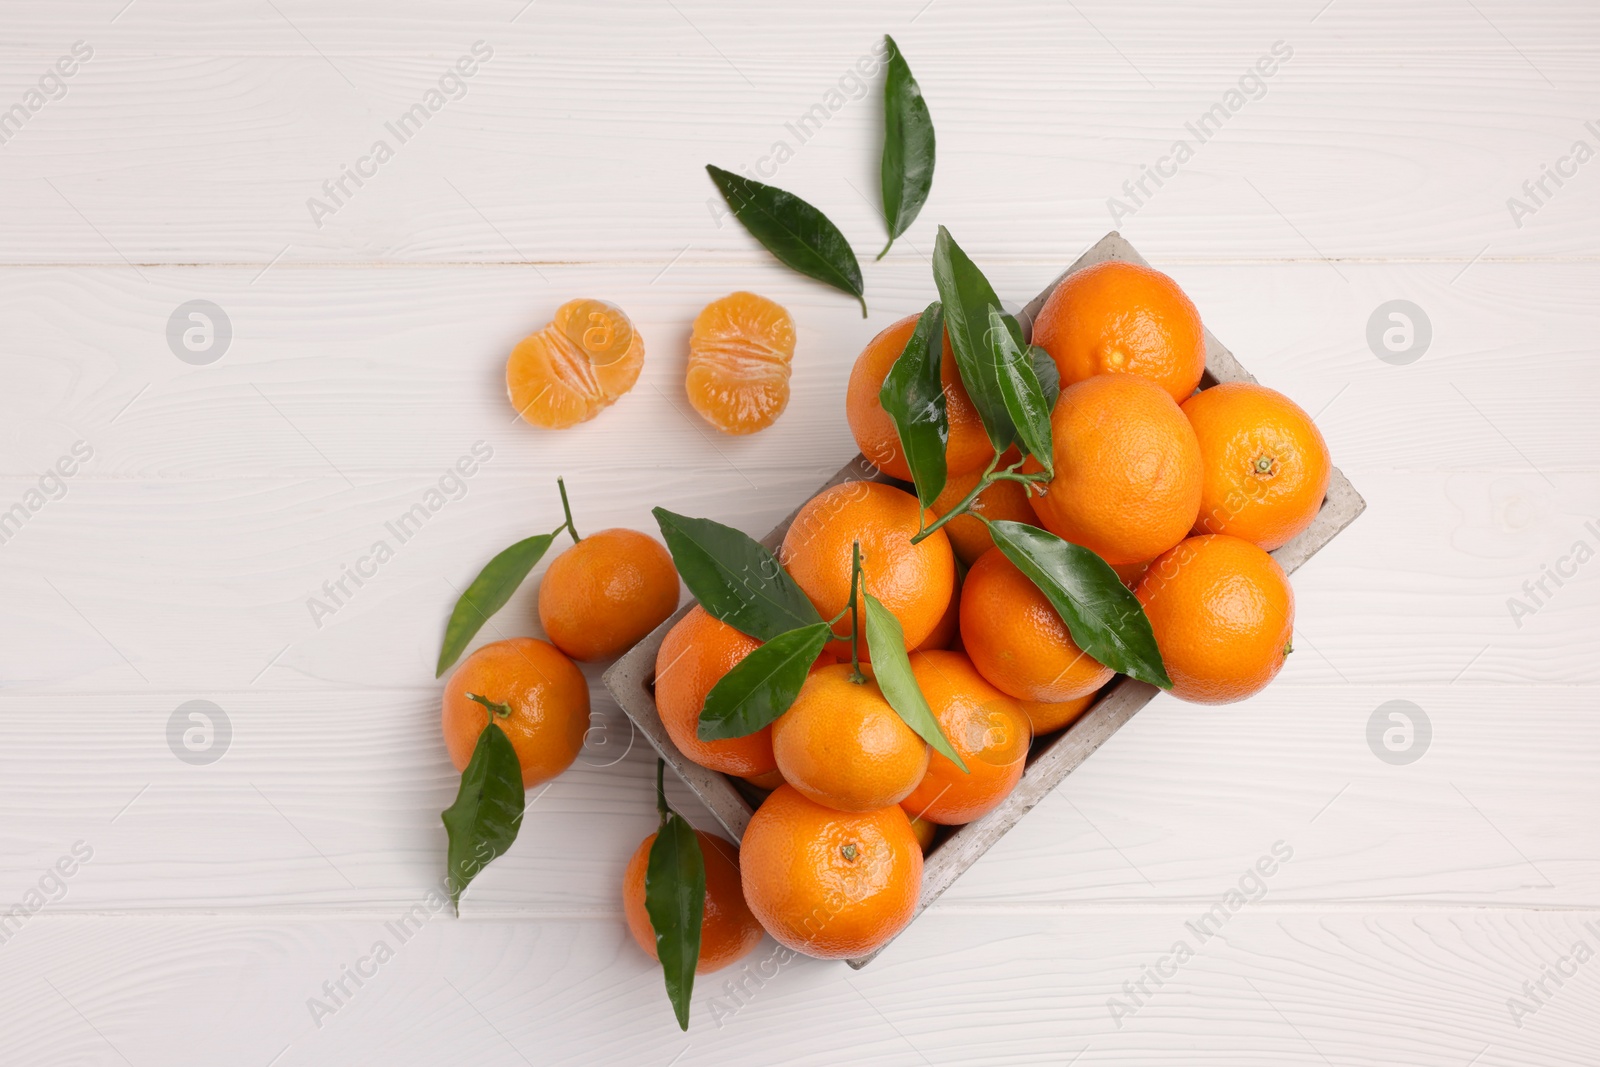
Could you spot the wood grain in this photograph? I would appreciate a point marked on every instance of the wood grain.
(366, 359)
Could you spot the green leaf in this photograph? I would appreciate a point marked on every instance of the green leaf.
(734, 578)
(1019, 388)
(761, 686)
(891, 669)
(487, 813)
(675, 898)
(907, 169)
(913, 396)
(488, 593)
(1049, 375)
(967, 296)
(800, 236)
(1105, 618)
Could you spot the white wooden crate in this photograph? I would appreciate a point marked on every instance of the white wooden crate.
(1053, 756)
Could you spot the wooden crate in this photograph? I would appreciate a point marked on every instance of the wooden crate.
(1053, 756)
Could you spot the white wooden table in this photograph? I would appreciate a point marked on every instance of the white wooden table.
(177, 560)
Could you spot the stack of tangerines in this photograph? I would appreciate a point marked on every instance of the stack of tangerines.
(1182, 492)
(892, 665)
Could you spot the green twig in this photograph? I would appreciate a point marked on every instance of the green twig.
(496, 710)
(566, 509)
(855, 622)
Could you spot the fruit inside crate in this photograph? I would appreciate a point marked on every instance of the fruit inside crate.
(1052, 756)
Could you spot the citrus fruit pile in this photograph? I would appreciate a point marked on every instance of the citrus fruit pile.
(1052, 511)
(1076, 508)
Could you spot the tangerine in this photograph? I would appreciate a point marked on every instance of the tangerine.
(968, 448)
(1004, 499)
(842, 745)
(914, 581)
(695, 654)
(987, 729)
(728, 932)
(1046, 717)
(830, 884)
(739, 355)
(1265, 465)
(1123, 318)
(947, 632)
(1223, 616)
(1017, 640)
(576, 367)
(606, 592)
(926, 831)
(1127, 469)
(548, 697)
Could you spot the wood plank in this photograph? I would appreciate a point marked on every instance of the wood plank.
(330, 800)
(1424, 989)
(208, 139)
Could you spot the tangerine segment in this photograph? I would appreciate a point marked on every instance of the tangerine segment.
(968, 448)
(987, 729)
(1127, 469)
(1016, 637)
(728, 932)
(914, 581)
(1123, 318)
(830, 884)
(1266, 464)
(694, 656)
(739, 357)
(578, 365)
(1223, 616)
(548, 697)
(842, 745)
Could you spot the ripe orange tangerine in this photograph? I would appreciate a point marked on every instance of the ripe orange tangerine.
(548, 697)
(1123, 318)
(728, 932)
(1005, 499)
(606, 592)
(1047, 718)
(740, 352)
(1017, 640)
(842, 745)
(1266, 467)
(968, 448)
(1223, 616)
(914, 581)
(694, 656)
(830, 884)
(576, 367)
(986, 728)
(1127, 469)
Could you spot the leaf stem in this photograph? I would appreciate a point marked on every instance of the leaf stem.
(661, 790)
(1025, 479)
(965, 502)
(855, 615)
(885, 250)
(495, 709)
(864, 302)
(567, 510)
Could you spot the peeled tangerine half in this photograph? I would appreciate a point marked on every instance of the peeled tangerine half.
(577, 366)
(739, 356)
